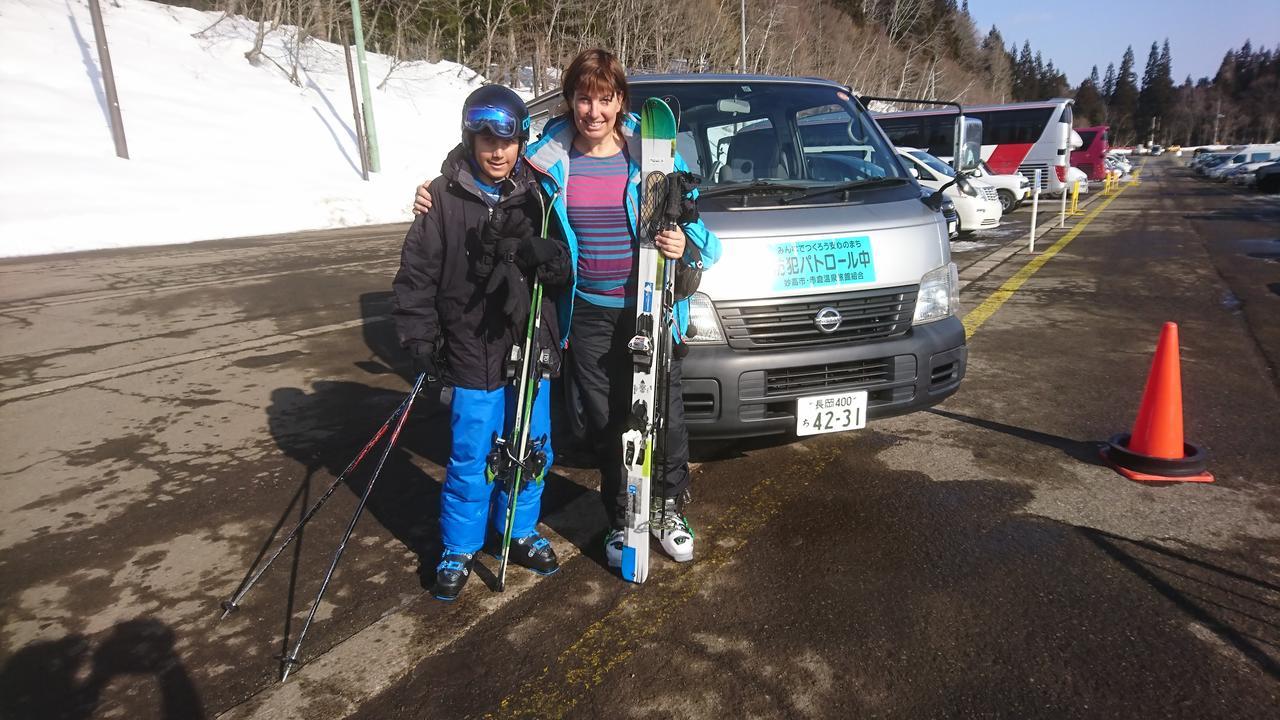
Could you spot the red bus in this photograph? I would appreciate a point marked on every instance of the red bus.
(1088, 157)
(1016, 138)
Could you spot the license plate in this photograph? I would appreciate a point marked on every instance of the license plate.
(818, 414)
(951, 228)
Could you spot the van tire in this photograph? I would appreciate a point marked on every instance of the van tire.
(1007, 201)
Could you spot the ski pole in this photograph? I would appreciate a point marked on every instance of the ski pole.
(292, 658)
(230, 606)
(524, 407)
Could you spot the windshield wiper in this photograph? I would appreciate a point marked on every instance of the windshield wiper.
(746, 187)
(864, 184)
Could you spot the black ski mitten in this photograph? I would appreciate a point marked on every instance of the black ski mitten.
(535, 251)
(499, 238)
(425, 359)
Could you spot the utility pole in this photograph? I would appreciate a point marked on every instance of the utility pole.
(108, 80)
(742, 55)
(375, 164)
(1216, 114)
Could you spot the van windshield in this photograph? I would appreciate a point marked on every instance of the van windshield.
(762, 135)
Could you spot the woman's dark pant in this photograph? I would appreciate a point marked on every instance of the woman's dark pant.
(599, 383)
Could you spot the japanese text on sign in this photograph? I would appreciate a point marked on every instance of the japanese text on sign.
(828, 262)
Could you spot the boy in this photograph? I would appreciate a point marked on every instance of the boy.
(462, 296)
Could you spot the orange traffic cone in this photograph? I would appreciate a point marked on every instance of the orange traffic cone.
(1155, 451)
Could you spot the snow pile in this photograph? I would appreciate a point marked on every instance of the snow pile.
(218, 147)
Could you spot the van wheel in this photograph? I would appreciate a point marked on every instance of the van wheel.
(1007, 201)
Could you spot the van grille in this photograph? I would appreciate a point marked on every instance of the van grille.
(989, 193)
(1028, 171)
(815, 378)
(865, 315)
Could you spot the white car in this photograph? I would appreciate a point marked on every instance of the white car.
(1246, 174)
(1012, 190)
(976, 202)
(1075, 174)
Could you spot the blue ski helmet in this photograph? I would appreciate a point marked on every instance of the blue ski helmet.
(496, 109)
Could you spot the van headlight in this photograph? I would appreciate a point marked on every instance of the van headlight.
(703, 319)
(939, 296)
(967, 188)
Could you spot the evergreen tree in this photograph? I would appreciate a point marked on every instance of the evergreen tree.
(1109, 83)
(1124, 101)
(1090, 108)
(997, 63)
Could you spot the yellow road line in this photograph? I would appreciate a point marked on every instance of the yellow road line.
(979, 315)
(614, 638)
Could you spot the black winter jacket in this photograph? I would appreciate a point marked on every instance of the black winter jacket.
(439, 300)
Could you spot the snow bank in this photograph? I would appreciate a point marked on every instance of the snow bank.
(219, 147)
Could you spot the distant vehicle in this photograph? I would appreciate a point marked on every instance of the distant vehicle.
(977, 203)
(1157, 150)
(1075, 175)
(1095, 146)
(1267, 178)
(1249, 154)
(1246, 174)
(1011, 189)
(1118, 163)
(1016, 138)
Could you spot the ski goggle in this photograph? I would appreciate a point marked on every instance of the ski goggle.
(496, 120)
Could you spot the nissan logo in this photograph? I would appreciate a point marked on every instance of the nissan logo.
(827, 320)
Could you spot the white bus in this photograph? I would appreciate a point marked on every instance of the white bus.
(1016, 138)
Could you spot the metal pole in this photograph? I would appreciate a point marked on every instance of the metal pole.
(375, 164)
(742, 19)
(1035, 208)
(108, 80)
(355, 113)
(1062, 221)
(292, 658)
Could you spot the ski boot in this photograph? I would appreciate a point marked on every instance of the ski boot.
(452, 574)
(673, 531)
(535, 553)
(613, 542)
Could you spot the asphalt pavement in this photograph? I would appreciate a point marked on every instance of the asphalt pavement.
(169, 413)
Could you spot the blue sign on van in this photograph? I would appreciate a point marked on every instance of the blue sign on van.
(830, 262)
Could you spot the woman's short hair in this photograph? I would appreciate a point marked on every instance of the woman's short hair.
(596, 71)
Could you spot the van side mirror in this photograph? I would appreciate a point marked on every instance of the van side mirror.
(967, 152)
(914, 172)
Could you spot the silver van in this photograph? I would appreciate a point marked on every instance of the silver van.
(835, 298)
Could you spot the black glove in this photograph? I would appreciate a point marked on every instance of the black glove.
(516, 305)
(680, 208)
(425, 360)
(499, 239)
(536, 251)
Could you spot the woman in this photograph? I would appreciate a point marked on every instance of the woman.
(588, 160)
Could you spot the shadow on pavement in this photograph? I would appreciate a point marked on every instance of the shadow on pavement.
(1241, 610)
(66, 678)
(1085, 451)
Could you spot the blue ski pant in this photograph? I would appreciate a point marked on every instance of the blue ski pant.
(468, 499)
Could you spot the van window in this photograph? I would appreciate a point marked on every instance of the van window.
(1259, 157)
(798, 133)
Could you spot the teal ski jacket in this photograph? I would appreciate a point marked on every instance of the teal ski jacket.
(549, 155)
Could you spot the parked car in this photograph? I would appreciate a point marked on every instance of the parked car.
(837, 283)
(1011, 190)
(977, 203)
(1267, 178)
(1075, 175)
(1246, 174)
(1247, 154)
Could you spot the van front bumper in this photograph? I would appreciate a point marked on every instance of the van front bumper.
(733, 393)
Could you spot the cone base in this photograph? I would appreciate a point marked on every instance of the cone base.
(1145, 468)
